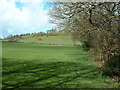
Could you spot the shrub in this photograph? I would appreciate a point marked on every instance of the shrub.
(112, 67)
(46, 34)
(86, 46)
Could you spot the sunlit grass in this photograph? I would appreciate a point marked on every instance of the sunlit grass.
(62, 39)
(30, 65)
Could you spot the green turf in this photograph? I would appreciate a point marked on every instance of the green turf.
(35, 66)
(62, 39)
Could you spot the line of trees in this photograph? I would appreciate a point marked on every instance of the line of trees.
(46, 34)
(96, 24)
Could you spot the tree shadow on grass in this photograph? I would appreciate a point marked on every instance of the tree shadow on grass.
(32, 75)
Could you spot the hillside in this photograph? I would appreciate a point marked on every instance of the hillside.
(62, 39)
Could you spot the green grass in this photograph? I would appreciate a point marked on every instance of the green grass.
(62, 39)
(35, 66)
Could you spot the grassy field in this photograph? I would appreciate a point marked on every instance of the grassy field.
(47, 66)
(62, 39)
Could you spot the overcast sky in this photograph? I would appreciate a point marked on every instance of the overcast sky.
(23, 17)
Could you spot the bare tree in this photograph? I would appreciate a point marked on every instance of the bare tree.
(96, 23)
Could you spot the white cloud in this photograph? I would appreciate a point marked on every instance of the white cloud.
(31, 18)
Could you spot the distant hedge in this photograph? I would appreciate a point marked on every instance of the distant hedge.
(46, 34)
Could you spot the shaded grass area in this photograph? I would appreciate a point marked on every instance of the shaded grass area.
(35, 66)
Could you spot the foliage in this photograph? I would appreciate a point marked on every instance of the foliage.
(94, 22)
(113, 67)
(86, 46)
(14, 38)
(46, 34)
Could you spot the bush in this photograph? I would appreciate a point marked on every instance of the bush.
(112, 67)
(46, 34)
(86, 46)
